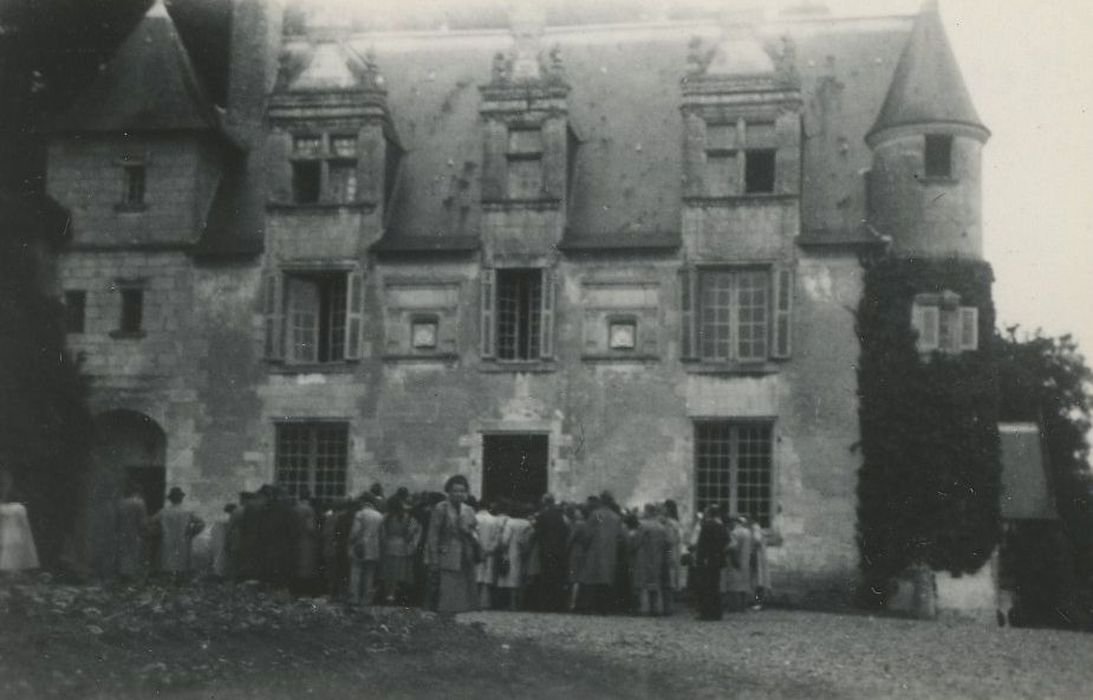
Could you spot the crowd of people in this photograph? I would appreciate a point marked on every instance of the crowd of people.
(451, 553)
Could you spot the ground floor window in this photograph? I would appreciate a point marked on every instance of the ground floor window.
(733, 467)
(313, 455)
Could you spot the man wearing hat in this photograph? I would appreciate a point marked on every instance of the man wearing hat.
(176, 527)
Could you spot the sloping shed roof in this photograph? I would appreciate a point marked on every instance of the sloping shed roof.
(148, 85)
(1026, 493)
(625, 105)
(927, 87)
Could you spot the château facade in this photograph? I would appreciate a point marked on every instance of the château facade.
(552, 258)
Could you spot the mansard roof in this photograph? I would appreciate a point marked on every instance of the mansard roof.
(148, 85)
(927, 87)
(624, 101)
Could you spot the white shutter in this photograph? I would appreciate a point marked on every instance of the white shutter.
(546, 315)
(688, 282)
(926, 320)
(783, 312)
(969, 328)
(354, 314)
(273, 312)
(487, 304)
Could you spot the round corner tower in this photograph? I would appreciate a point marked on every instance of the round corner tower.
(924, 190)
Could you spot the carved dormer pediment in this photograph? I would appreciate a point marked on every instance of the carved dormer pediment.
(327, 77)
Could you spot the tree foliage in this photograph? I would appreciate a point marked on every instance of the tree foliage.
(1045, 380)
(929, 482)
(45, 424)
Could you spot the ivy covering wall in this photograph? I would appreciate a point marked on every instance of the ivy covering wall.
(929, 483)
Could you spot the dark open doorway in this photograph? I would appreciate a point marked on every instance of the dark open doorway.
(514, 466)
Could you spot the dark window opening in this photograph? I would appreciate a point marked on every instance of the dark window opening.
(939, 155)
(75, 301)
(313, 456)
(519, 311)
(316, 317)
(733, 468)
(759, 171)
(133, 195)
(132, 310)
(307, 180)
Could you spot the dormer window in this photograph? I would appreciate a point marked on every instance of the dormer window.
(740, 158)
(324, 169)
(942, 324)
(525, 163)
(939, 156)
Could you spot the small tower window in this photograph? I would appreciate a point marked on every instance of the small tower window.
(759, 171)
(939, 155)
(133, 185)
(525, 163)
(132, 310)
(75, 302)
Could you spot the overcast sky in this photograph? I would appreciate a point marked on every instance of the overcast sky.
(1028, 65)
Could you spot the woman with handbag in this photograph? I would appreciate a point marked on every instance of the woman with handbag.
(453, 548)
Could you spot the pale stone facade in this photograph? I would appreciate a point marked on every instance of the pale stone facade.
(404, 183)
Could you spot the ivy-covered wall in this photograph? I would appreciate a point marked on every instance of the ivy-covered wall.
(929, 482)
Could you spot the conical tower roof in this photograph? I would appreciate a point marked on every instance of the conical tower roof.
(927, 87)
(148, 85)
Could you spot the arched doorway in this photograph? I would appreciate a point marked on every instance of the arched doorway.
(129, 446)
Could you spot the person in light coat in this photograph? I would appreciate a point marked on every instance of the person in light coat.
(176, 527)
(451, 548)
(738, 580)
(365, 549)
(515, 540)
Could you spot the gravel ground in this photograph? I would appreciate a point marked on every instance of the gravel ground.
(779, 653)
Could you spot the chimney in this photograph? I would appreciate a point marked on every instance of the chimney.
(255, 47)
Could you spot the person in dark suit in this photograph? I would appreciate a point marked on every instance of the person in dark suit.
(709, 559)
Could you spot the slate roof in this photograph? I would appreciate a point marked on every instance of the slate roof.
(625, 105)
(149, 84)
(1026, 493)
(927, 87)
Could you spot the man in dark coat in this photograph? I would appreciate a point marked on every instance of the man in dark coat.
(552, 536)
(604, 537)
(709, 559)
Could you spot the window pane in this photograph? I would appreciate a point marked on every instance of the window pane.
(715, 304)
(752, 301)
(331, 457)
(753, 444)
(344, 146)
(293, 456)
(303, 319)
(132, 310)
(134, 185)
(519, 298)
(308, 146)
(713, 457)
(332, 320)
(759, 171)
(313, 455)
(306, 181)
(939, 155)
(343, 180)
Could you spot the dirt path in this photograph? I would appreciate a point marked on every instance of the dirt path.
(805, 654)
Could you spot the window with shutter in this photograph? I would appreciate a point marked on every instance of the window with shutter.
(313, 317)
(355, 316)
(689, 340)
(783, 312)
(487, 305)
(969, 328)
(546, 327)
(926, 322)
(273, 299)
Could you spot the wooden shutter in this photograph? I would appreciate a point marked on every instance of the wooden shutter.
(487, 305)
(781, 344)
(688, 284)
(273, 297)
(969, 328)
(546, 315)
(354, 314)
(495, 160)
(926, 320)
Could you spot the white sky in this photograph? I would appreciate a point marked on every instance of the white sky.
(1030, 74)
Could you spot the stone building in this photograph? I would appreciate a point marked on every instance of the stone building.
(552, 258)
